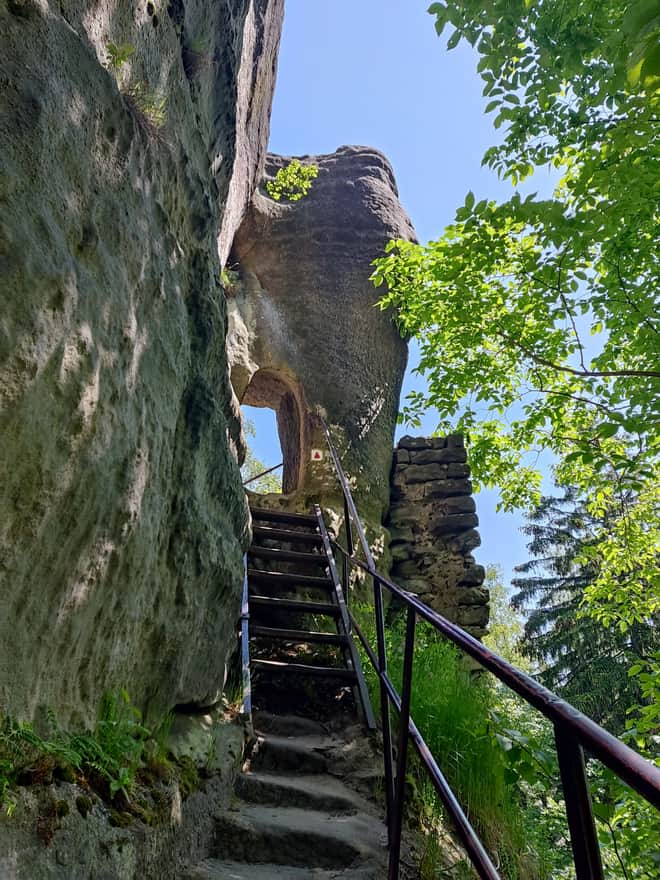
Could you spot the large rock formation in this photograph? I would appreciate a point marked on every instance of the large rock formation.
(306, 335)
(122, 515)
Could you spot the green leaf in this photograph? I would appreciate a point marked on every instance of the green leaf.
(454, 40)
(607, 429)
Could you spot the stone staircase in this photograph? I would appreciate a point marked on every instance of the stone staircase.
(295, 816)
(302, 807)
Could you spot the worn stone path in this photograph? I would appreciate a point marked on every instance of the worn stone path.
(295, 816)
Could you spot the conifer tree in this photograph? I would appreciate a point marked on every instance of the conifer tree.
(585, 662)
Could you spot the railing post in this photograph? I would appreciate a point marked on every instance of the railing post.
(584, 839)
(245, 647)
(384, 704)
(350, 546)
(402, 750)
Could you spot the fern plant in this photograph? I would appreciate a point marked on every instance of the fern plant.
(114, 751)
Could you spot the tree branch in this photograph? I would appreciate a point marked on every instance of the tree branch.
(564, 368)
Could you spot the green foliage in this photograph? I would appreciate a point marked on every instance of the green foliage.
(587, 663)
(453, 709)
(628, 828)
(292, 182)
(147, 108)
(118, 55)
(108, 757)
(538, 318)
(229, 278)
(505, 625)
(499, 757)
(252, 466)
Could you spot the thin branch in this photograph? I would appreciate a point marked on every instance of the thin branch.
(583, 374)
(578, 399)
(575, 331)
(616, 848)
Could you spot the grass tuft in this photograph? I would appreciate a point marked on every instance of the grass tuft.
(452, 708)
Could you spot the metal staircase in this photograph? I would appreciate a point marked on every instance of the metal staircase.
(295, 599)
(277, 608)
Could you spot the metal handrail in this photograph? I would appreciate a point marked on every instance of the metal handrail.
(246, 710)
(574, 731)
(263, 473)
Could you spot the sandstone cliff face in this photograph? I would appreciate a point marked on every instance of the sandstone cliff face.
(306, 335)
(122, 518)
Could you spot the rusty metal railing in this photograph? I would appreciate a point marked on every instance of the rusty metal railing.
(246, 709)
(275, 467)
(574, 732)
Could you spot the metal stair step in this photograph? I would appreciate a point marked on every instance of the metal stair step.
(325, 608)
(284, 579)
(287, 555)
(299, 636)
(281, 516)
(279, 666)
(287, 535)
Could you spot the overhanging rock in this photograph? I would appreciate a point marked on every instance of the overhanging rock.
(306, 336)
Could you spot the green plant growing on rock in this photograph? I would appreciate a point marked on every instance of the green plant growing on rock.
(108, 757)
(148, 109)
(118, 55)
(292, 182)
(229, 278)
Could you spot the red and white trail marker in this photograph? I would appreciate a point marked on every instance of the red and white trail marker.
(317, 455)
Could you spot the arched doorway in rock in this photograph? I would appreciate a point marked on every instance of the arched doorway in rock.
(270, 390)
(260, 470)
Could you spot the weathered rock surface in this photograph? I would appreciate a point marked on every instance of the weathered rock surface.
(432, 524)
(58, 832)
(122, 516)
(306, 336)
(298, 816)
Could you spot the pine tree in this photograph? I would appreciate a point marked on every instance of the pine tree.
(579, 658)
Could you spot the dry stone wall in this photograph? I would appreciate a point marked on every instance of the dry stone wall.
(432, 524)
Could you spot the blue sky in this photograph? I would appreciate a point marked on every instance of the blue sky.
(374, 72)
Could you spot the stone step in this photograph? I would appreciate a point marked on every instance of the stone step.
(298, 837)
(313, 792)
(303, 754)
(213, 869)
(286, 725)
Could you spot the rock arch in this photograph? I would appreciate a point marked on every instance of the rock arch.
(269, 388)
(304, 312)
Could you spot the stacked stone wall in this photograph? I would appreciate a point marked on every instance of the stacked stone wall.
(432, 524)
